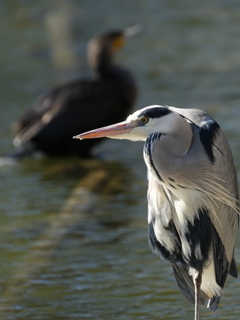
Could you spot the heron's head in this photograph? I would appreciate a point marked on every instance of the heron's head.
(139, 125)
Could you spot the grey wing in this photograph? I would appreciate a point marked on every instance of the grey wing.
(227, 219)
(223, 172)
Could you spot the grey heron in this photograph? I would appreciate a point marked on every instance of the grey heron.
(74, 105)
(193, 202)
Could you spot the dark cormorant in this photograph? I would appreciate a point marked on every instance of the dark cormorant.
(80, 105)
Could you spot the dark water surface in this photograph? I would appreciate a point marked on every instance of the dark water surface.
(73, 233)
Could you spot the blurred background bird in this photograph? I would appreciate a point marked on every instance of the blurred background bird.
(193, 201)
(80, 105)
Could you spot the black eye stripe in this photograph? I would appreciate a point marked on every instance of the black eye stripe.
(155, 112)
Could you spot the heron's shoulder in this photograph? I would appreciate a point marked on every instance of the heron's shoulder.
(197, 116)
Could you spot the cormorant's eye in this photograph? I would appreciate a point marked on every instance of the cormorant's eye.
(144, 120)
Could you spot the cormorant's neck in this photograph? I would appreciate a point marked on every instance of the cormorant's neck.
(105, 68)
(112, 71)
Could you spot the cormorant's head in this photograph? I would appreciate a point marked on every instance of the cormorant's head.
(102, 47)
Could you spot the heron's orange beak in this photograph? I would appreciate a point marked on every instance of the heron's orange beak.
(109, 131)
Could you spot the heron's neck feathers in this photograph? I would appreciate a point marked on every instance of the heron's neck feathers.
(177, 135)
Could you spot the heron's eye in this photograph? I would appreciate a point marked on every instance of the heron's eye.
(144, 120)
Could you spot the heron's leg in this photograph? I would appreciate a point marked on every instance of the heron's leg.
(197, 286)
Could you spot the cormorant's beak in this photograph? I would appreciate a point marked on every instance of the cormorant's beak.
(130, 32)
(126, 35)
(109, 131)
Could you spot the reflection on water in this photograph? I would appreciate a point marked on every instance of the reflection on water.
(73, 233)
(91, 216)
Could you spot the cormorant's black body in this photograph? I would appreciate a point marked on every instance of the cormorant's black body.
(79, 106)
